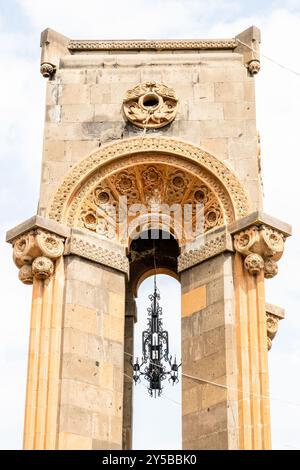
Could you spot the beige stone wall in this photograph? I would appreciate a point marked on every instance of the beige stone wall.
(209, 413)
(216, 108)
(91, 401)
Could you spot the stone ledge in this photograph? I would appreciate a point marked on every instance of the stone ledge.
(275, 310)
(259, 218)
(36, 222)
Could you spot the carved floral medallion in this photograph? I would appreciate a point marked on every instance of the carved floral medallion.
(150, 105)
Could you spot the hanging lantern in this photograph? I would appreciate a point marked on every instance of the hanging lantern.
(156, 364)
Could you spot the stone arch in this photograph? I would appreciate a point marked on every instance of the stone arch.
(104, 175)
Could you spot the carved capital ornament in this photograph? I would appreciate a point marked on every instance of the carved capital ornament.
(34, 254)
(262, 247)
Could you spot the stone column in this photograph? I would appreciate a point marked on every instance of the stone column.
(130, 319)
(226, 333)
(76, 353)
(259, 244)
(208, 346)
(38, 253)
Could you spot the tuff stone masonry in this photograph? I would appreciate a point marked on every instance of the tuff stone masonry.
(148, 123)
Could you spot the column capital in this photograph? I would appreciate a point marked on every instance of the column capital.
(37, 243)
(274, 315)
(260, 239)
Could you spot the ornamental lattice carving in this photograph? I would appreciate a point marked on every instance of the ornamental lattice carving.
(150, 105)
(210, 248)
(210, 170)
(200, 44)
(34, 253)
(262, 247)
(96, 252)
(98, 204)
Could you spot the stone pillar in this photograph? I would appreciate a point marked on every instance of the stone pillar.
(208, 352)
(226, 333)
(130, 319)
(76, 352)
(258, 246)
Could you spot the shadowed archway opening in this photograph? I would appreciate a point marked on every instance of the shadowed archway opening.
(155, 423)
(152, 251)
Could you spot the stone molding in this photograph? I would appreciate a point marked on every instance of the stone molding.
(208, 246)
(96, 249)
(274, 314)
(55, 46)
(173, 44)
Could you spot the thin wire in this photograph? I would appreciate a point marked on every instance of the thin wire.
(216, 384)
(154, 261)
(269, 58)
(163, 396)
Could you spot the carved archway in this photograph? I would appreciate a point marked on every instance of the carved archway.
(147, 170)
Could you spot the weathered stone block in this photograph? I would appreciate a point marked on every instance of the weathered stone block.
(77, 113)
(74, 93)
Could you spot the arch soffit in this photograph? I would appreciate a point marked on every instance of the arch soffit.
(168, 150)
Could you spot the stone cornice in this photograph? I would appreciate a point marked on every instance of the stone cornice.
(151, 44)
(34, 223)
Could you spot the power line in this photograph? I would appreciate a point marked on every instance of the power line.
(163, 396)
(216, 384)
(269, 58)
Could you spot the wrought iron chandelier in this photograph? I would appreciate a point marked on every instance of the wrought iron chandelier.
(155, 347)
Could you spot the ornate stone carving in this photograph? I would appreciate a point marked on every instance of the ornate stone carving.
(48, 70)
(254, 263)
(272, 328)
(253, 67)
(150, 105)
(200, 44)
(33, 253)
(25, 274)
(273, 315)
(211, 247)
(262, 247)
(270, 268)
(96, 252)
(42, 267)
(213, 172)
(147, 184)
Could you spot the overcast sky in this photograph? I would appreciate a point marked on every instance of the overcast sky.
(21, 125)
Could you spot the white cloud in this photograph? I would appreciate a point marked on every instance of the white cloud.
(118, 19)
(21, 120)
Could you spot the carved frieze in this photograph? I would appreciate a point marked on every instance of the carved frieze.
(207, 248)
(98, 251)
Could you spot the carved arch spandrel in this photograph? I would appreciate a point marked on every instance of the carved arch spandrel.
(144, 150)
